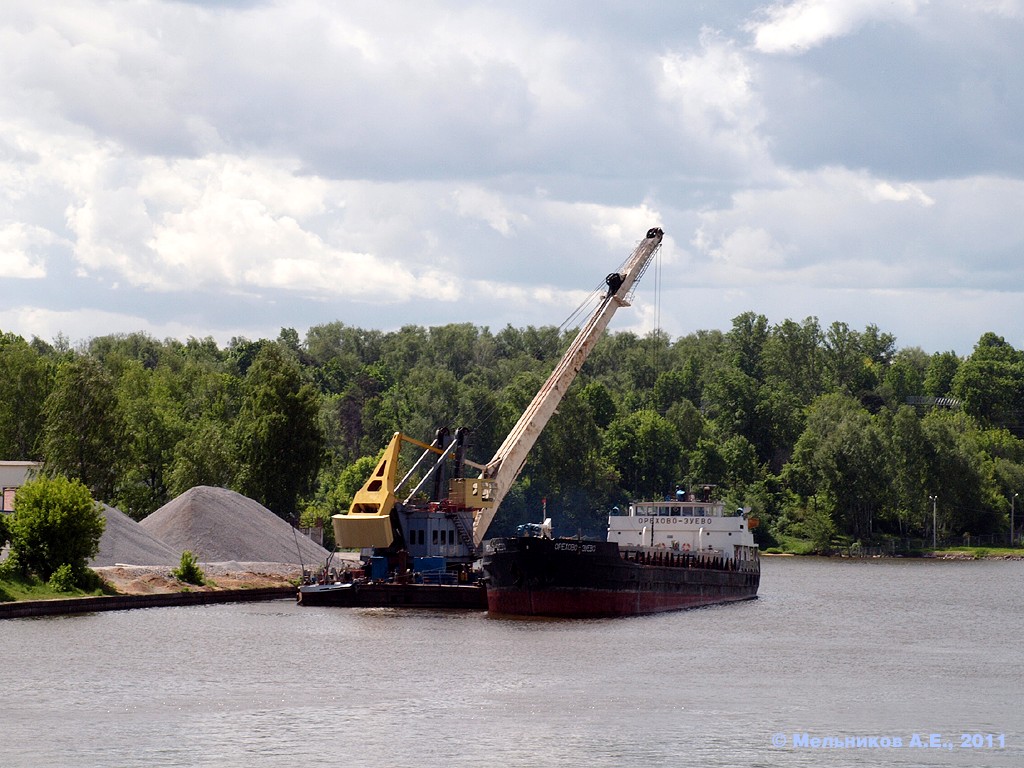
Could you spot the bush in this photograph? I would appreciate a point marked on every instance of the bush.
(188, 570)
(62, 579)
(55, 523)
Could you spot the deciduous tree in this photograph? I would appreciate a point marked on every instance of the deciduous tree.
(24, 384)
(277, 433)
(84, 435)
(55, 523)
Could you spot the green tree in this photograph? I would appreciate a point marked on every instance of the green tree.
(277, 433)
(673, 386)
(746, 342)
(202, 405)
(566, 466)
(910, 457)
(152, 432)
(114, 350)
(644, 447)
(904, 377)
(793, 359)
(425, 399)
(688, 422)
(25, 382)
(601, 403)
(453, 347)
(478, 404)
(840, 455)
(847, 365)
(741, 462)
(938, 379)
(84, 432)
(956, 472)
(990, 383)
(55, 523)
(205, 456)
(731, 399)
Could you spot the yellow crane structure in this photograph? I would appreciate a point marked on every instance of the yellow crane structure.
(463, 496)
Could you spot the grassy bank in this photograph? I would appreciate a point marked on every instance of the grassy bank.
(789, 545)
(13, 588)
(978, 553)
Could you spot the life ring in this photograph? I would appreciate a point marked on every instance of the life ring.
(686, 547)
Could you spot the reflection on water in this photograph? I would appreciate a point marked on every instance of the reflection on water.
(831, 648)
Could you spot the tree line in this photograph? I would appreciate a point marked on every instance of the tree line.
(830, 434)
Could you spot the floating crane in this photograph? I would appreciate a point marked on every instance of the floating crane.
(443, 519)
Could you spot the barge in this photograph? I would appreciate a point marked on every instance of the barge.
(659, 556)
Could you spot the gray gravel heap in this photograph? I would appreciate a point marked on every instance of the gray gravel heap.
(126, 541)
(219, 525)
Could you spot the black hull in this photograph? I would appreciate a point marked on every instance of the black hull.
(573, 578)
(390, 595)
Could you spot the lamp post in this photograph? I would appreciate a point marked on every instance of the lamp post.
(1013, 509)
(934, 500)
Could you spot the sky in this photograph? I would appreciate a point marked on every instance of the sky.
(228, 169)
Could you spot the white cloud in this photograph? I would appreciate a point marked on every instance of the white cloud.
(885, 190)
(479, 203)
(751, 250)
(1006, 8)
(241, 224)
(425, 162)
(80, 324)
(798, 26)
(18, 256)
(619, 228)
(713, 94)
(837, 227)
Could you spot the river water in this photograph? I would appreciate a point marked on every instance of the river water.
(885, 657)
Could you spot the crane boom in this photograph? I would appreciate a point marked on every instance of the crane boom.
(426, 523)
(502, 470)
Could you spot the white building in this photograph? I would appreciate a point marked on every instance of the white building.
(13, 475)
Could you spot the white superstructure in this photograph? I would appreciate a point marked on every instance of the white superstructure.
(696, 527)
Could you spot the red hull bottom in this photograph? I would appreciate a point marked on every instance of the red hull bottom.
(593, 603)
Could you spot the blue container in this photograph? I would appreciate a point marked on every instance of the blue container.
(378, 568)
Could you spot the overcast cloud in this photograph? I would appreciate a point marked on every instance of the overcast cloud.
(229, 169)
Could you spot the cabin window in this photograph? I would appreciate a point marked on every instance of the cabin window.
(451, 537)
(421, 536)
(433, 537)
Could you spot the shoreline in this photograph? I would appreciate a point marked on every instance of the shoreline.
(940, 555)
(149, 586)
(21, 609)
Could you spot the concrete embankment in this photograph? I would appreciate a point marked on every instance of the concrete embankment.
(62, 607)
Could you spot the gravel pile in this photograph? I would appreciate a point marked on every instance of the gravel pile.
(218, 525)
(126, 541)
